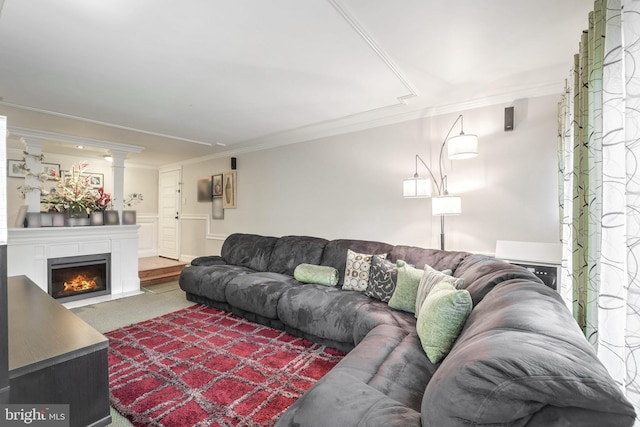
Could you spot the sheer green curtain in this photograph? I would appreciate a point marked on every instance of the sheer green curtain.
(599, 149)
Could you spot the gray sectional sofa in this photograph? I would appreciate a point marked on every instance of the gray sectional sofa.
(520, 359)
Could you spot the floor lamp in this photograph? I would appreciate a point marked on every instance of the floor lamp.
(461, 146)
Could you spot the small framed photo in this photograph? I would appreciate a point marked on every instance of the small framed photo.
(218, 212)
(204, 189)
(111, 218)
(96, 180)
(16, 169)
(217, 185)
(128, 217)
(49, 167)
(229, 196)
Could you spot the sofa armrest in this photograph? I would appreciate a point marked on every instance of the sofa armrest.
(208, 260)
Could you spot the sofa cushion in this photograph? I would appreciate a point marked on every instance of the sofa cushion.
(248, 250)
(429, 279)
(520, 356)
(259, 292)
(335, 252)
(404, 296)
(441, 318)
(391, 360)
(382, 279)
(289, 251)
(210, 281)
(343, 401)
(357, 270)
(208, 260)
(375, 313)
(380, 382)
(436, 258)
(323, 311)
(481, 273)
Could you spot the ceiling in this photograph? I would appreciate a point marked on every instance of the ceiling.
(201, 78)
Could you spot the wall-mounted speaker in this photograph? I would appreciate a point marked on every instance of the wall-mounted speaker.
(234, 163)
(508, 118)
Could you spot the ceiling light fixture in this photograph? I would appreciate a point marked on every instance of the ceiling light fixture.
(108, 158)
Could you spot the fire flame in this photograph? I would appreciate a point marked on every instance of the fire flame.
(81, 283)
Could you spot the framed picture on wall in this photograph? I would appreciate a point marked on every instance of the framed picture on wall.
(49, 167)
(218, 212)
(96, 180)
(229, 195)
(16, 169)
(216, 185)
(204, 189)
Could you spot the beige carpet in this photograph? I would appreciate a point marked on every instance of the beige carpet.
(155, 301)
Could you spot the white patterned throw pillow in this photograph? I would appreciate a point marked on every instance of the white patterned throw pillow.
(356, 273)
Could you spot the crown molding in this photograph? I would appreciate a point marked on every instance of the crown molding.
(46, 136)
(101, 123)
(359, 122)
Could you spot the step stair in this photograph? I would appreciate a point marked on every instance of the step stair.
(159, 270)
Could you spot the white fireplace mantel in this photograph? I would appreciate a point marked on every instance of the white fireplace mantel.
(28, 250)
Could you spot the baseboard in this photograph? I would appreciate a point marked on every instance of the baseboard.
(147, 253)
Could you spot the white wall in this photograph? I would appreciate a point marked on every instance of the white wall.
(350, 186)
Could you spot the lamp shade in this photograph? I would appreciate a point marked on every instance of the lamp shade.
(446, 205)
(416, 187)
(462, 146)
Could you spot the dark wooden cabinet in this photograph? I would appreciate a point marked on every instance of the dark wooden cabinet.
(55, 357)
(4, 327)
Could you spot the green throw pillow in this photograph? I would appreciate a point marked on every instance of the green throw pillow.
(404, 296)
(441, 319)
(318, 274)
(429, 279)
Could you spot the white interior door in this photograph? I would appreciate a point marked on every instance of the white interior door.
(169, 222)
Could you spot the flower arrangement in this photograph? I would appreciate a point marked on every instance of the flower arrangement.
(103, 201)
(133, 199)
(73, 193)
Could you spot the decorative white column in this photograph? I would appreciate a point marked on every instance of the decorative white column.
(118, 180)
(33, 162)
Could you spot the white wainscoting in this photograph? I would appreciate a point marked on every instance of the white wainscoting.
(147, 235)
(208, 235)
(149, 228)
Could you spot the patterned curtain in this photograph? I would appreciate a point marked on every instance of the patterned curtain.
(599, 151)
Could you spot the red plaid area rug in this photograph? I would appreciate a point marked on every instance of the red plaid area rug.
(202, 366)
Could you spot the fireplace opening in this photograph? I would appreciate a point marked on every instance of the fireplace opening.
(77, 277)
